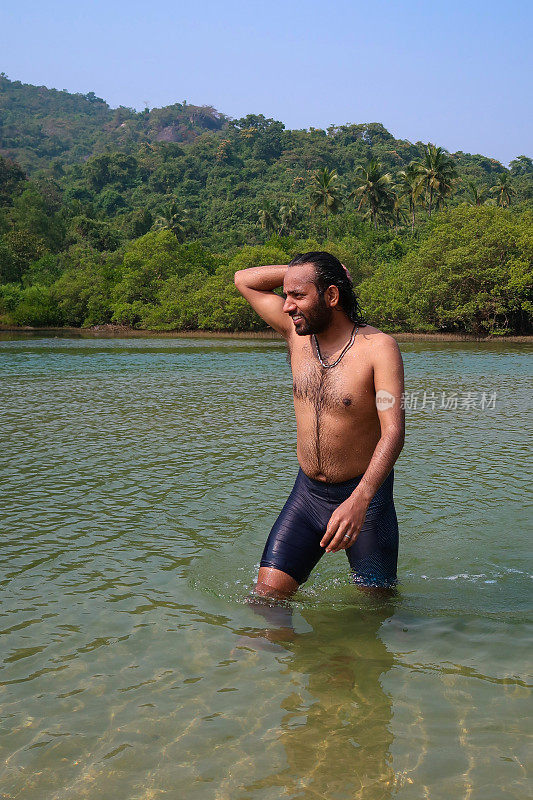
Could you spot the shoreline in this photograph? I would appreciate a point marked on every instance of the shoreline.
(120, 331)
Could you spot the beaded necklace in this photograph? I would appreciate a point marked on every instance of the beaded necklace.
(346, 348)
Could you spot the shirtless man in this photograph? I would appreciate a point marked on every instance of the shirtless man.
(347, 385)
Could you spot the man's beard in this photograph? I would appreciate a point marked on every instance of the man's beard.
(315, 321)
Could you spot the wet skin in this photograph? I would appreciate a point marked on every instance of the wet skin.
(340, 431)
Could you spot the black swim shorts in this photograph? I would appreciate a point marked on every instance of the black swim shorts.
(293, 545)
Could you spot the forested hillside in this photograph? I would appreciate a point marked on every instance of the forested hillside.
(110, 215)
(41, 128)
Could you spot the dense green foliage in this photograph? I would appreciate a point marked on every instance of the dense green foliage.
(114, 216)
(472, 273)
(42, 127)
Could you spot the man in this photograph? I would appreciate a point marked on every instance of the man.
(347, 385)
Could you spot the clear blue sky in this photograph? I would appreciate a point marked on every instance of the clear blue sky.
(455, 73)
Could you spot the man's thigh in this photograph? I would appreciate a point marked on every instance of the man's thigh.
(293, 546)
(374, 555)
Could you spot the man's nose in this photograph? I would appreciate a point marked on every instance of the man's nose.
(289, 305)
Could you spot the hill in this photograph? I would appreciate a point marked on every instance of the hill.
(38, 124)
(117, 216)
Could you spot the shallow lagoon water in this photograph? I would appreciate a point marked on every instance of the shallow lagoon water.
(140, 478)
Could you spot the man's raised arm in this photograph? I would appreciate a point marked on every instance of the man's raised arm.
(256, 285)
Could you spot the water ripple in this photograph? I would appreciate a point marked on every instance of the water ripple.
(140, 478)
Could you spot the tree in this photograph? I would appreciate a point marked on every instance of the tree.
(137, 223)
(34, 213)
(325, 193)
(471, 273)
(12, 181)
(410, 186)
(477, 194)
(84, 291)
(287, 216)
(438, 173)
(96, 233)
(375, 190)
(396, 214)
(19, 248)
(521, 166)
(268, 218)
(503, 190)
(173, 219)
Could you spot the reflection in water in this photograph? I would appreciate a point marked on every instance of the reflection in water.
(336, 727)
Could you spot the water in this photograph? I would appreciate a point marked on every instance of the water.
(140, 478)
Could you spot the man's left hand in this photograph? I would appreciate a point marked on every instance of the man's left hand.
(345, 524)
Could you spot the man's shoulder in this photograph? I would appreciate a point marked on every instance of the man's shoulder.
(381, 349)
(376, 339)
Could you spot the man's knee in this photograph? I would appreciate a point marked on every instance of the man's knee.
(274, 583)
(265, 590)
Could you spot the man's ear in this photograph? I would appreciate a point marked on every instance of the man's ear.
(332, 295)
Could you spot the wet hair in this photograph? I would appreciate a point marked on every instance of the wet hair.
(330, 272)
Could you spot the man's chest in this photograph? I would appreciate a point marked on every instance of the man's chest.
(349, 385)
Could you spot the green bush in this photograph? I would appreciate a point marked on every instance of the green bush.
(472, 274)
(84, 290)
(37, 307)
(10, 296)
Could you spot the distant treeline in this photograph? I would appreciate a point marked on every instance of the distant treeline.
(468, 271)
(141, 219)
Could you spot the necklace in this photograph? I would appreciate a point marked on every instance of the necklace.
(346, 348)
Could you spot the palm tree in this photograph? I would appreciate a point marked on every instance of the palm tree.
(410, 186)
(438, 176)
(503, 190)
(268, 218)
(477, 194)
(325, 193)
(375, 190)
(172, 218)
(396, 214)
(287, 215)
